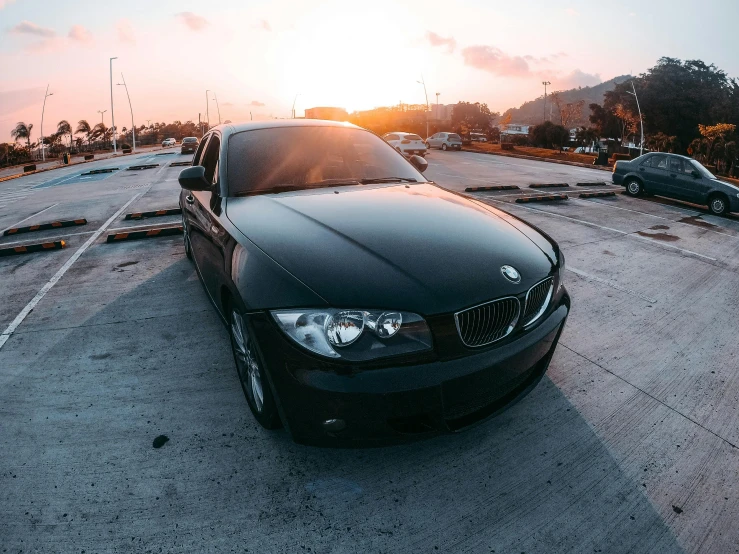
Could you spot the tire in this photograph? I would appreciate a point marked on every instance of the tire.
(718, 205)
(250, 369)
(443, 147)
(186, 238)
(428, 146)
(633, 187)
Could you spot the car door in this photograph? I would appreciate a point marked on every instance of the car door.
(208, 238)
(655, 175)
(691, 184)
(187, 200)
(433, 140)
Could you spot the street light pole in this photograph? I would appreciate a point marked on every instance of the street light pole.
(133, 126)
(215, 97)
(112, 115)
(43, 109)
(422, 82)
(438, 116)
(294, 101)
(545, 83)
(102, 116)
(207, 107)
(641, 120)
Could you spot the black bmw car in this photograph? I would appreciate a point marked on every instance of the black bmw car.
(677, 177)
(365, 304)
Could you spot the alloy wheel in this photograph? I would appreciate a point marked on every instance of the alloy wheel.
(718, 206)
(247, 363)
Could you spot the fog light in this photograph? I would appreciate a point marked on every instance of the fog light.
(334, 425)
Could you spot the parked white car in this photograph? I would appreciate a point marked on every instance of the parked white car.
(168, 142)
(445, 141)
(407, 144)
(478, 137)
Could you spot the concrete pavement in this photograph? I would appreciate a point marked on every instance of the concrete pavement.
(629, 444)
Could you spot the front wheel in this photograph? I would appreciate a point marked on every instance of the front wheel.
(428, 146)
(444, 147)
(717, 205)
(251, 374)
(633, 187)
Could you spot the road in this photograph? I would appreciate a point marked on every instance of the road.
(629, 444)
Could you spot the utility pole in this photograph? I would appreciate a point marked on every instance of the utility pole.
(422, 82)
(295, 100)
(112, 116)
(133, 126)
(545, 83)
(102, 116)
(438, 114)
(200, 124)
(43, 109)
(641, 120)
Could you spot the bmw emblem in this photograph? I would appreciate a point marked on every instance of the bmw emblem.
(511, 273)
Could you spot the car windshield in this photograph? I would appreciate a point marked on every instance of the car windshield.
(702, 170)
(189, 139)
(453, 136)
(292, 158)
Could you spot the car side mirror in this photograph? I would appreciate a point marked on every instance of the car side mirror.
(419, 163)
(193, 178)
(696, 174)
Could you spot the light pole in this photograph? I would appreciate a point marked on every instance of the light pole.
(133, 127)
(545, 83)
(295, 100)
(102, 116)
(422, 82)
(215, 97)
(641, 120)
(43, 109)
(112, 115)
(207, 107)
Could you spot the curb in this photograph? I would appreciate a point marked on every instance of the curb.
(136, 235)
(547, 198)
(596, 194)
(141, 215)
(98, 171)
(29, 248)
(45, 226)
(179, 164)
(548, 185)
(593, 184)
(144, 166)
(494, 187)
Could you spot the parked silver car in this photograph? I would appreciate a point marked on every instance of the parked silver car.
(445, 141)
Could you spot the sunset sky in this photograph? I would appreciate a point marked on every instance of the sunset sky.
(257, 55)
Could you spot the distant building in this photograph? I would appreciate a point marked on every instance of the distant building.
(332, 114)
(441, 112)
(514, 129)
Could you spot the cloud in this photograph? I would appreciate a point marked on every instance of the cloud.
(80, 34)
(495, 61)
(257, 103)
(437, 40)
(28, 28)
(264, 25)
(125, 31)
(575, 79)
(4, 3)
(194, 22)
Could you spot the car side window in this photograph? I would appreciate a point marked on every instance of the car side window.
(676, 165)
(199, 152)
(648, 161)
(688, 167)
(659, 162)
(210, 160)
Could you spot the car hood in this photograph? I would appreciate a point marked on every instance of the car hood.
(418, 248)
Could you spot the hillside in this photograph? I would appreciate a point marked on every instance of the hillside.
(532, 112)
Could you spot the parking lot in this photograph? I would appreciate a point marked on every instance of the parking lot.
(629, 443)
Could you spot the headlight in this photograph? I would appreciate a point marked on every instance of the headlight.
(355, 335)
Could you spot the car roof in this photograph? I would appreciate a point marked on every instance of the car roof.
(401, 133)
(282, 123)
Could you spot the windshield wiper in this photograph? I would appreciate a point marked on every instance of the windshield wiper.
(289, 188)
(387, 180)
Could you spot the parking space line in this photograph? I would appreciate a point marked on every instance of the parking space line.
(60, 273)
(610, 284)
(29, 217)
(624, 233)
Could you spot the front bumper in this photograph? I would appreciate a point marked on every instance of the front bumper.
(398, 400)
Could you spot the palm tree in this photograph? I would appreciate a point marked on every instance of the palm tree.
(64, 128)
(99, 131)
(22, 131)
(83, 127)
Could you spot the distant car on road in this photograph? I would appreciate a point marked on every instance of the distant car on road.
(445, 141)
(407, 144)
(168, 142)
(364, 303)
(189, 145)
(677, 177)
